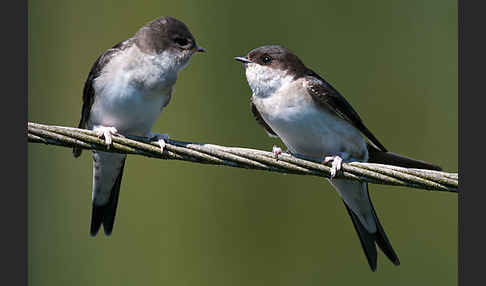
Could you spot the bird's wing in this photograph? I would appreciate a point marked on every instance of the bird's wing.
(88, 90)
(325, 95)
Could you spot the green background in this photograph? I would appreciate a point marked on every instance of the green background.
(180, 223)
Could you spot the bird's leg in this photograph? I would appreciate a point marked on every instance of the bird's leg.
(336, 163)
(160, 138)
(276, 151)
(107, 133)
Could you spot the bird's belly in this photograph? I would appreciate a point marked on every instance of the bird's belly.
(312, 132)
(131, 112)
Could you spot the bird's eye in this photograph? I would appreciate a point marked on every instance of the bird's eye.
(266, 59)
(181, 41)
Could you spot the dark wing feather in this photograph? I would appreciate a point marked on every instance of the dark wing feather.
(259, 119)
(325, 95)
(88, 90)
(389, 158)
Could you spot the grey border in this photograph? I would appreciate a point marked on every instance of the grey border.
(460, 250)
(13, 210)
(471, 94)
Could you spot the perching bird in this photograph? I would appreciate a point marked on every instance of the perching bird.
(127, 87)
(314, 121)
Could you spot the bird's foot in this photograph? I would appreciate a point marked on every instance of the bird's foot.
(107, 133)
(160, 138)
(336, 164)
(276, 151)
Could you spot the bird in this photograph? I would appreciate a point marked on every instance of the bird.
(314, 121)
(127, 88)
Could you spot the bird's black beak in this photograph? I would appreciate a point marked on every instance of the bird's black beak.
(243, 60)
(200, 49)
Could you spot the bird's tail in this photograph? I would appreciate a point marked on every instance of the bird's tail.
(370, 240)
(107, 176)
(357, 200)
(380, 157)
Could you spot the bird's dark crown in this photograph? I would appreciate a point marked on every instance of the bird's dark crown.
(277, 57)
(164, 33)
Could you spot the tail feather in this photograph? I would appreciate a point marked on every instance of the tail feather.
(105, 214)
(380, 157)
(96, 219)
(384, 243)
(368, 239)
(77, 151)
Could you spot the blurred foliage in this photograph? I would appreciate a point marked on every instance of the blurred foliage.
(187, 224)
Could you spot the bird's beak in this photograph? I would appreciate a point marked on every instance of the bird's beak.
(200, 49)
(243, 60)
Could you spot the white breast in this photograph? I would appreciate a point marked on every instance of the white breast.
(306, 128)
(264, 81)
(132, 90)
